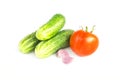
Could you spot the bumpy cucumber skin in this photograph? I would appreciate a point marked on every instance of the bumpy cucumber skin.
(51, 28)
(28, 43)
(46, 48)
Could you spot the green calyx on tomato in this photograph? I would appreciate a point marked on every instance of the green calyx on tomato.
(84, 43)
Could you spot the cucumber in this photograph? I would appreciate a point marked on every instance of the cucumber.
(28, 43)
(46, 48)
(51, 28)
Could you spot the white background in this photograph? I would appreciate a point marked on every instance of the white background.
(21, 17)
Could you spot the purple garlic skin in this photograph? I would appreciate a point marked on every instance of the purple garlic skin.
(65, 56)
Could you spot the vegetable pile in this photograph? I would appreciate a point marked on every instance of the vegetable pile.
(50, 39)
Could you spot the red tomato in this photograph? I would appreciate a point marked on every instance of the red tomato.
(83, 43)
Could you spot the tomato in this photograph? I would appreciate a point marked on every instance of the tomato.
(83, 43)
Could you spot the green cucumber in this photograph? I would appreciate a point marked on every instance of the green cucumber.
(51, 28)
(28, 43)
(46, 48)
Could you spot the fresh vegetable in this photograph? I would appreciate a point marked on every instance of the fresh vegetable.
(84, 43)
(60, 40)
(51, 28)
(28, 43)
(66, 58)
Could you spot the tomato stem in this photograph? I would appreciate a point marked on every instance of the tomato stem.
(86, 29)
(93, 28)
(81, 27)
